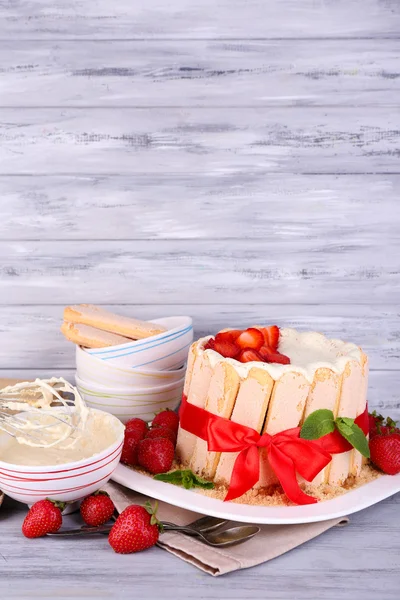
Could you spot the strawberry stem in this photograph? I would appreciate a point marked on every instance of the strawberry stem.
(152, 510)
(57, 504)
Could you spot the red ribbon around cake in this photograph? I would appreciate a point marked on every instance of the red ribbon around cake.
(286, 451)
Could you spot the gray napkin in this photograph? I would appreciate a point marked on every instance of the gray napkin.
(272, 540)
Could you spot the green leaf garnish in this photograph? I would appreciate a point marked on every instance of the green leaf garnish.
(319, 423)
(186, 478)
(353, 434)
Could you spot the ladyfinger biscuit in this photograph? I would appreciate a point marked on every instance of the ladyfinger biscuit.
(283, 414)
(90, 337)
(196, 392)
(340, 466)
(95, 316)
(324, 393)
(250, 409)
(357, 460)
(224, 385)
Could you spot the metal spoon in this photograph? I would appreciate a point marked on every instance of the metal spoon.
(203, 524)
(207, 523)
(224, 538)
(220, 538)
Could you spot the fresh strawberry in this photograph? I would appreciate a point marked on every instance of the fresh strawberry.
(161, 432)
(210, 344)
(97, 509)
(156, 455)
(44, 517)
(234, 333)
(225, 336)
(129, 454)
(385, 452)
(249, 355)
(277, 357)
(386, 429)
(137, 425)
(375, 422)
(225, 344)
(265, 352)
(229, 335)
(271, 336)
(227, 349)
(270, 356)
(378, 425)
(136, 528)
(167, 418)
(251, 339)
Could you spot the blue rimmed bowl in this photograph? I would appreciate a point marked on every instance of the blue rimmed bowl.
(101, 372)
(167, 350)
(126, 403)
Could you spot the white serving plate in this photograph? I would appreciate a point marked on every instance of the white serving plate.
(349, 503)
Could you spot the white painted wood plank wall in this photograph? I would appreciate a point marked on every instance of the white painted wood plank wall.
(234, 161)
(199, 19)
(203, 73)
(237, 161)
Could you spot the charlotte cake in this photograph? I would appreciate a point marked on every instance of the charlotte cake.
(305, 372)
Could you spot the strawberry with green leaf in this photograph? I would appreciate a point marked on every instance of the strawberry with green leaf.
(385, 452)
(43, 517)
(378, 425)
(137, 528)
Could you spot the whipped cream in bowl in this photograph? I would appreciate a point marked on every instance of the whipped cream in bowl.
(64, 472)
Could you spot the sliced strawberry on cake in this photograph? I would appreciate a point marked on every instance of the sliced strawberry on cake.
(249, 355)
(258, 344)
(271, 336)
(225, 345)
(251, 338)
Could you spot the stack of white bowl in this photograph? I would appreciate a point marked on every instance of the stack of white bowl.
(140, 378)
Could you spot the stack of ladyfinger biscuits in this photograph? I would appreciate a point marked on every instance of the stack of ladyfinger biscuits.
(94, 327)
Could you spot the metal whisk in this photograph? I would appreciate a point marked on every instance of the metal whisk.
(42, 413)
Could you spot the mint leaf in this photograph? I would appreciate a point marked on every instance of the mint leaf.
(345, 426)
(346, 420)
(353, 434)
(186, 478)
(318, 424)
(174, 477)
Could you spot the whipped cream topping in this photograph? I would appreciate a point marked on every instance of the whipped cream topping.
(101, 431)
(308, 351)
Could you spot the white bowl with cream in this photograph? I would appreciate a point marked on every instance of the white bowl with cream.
(29, 474)
(167, 350)
(126, 403)
(92, 369)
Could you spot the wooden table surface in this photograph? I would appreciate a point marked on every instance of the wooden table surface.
(235, 161)
(360, 560)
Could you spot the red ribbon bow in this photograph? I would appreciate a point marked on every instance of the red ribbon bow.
(287, 453)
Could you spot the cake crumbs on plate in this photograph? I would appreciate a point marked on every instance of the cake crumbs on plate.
(275, 496)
